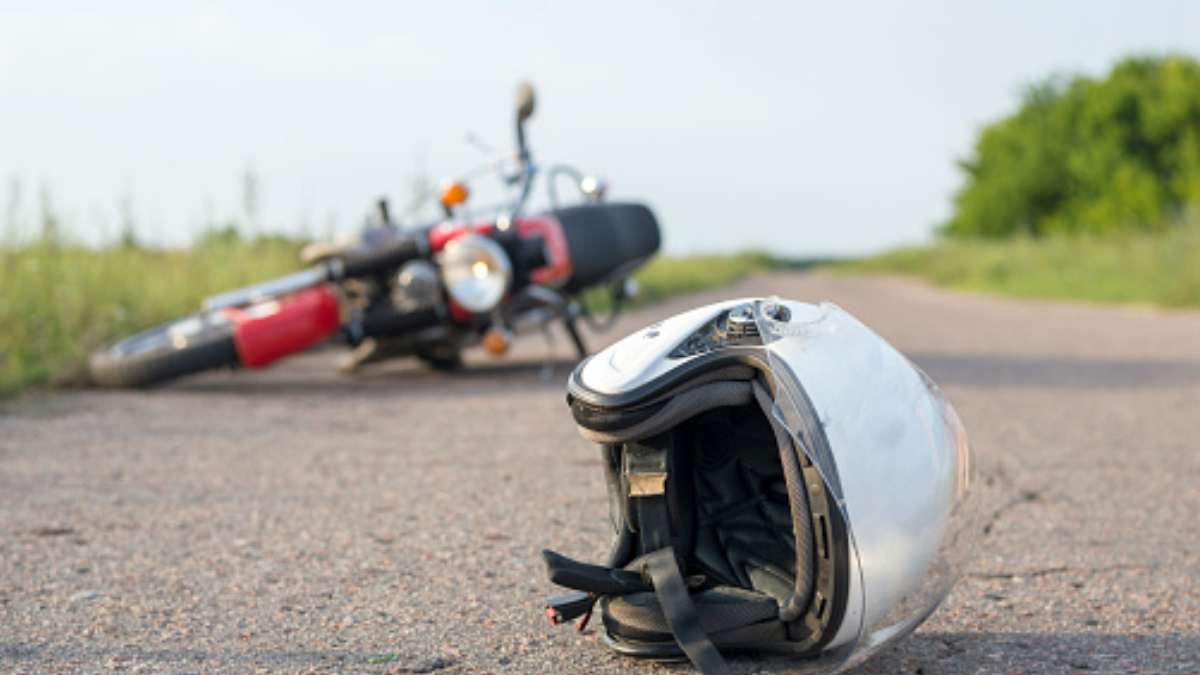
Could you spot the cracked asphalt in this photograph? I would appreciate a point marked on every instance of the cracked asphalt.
(294, 520)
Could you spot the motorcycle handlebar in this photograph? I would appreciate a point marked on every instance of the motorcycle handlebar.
(378, 260)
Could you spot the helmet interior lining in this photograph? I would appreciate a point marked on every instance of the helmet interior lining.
(750, 521)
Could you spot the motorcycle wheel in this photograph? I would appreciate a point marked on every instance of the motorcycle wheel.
(190, 345)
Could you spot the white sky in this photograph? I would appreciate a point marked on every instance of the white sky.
(802, 127)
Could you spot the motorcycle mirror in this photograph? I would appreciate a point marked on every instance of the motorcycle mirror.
(525, 101)
(593, 188)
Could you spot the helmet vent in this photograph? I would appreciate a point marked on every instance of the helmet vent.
(734, 327)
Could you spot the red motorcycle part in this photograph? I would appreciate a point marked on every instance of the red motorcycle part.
(558, 257)
(269, 331)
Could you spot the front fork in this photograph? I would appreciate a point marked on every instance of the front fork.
(564, 309)
(571, 325)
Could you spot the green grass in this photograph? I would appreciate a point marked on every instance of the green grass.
(667, 276)
(59, 302)
(1161, 269)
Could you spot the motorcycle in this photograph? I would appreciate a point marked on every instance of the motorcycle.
(428, 292)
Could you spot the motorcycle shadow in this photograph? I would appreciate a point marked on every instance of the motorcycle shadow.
(404, 377)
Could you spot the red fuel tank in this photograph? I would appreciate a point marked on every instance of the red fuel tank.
(269, 331)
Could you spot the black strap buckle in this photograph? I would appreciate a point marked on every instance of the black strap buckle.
(593, 579)
(645, 470)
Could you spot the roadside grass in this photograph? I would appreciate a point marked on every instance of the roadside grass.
(666, 276)
(1161, 269)
(58, 302)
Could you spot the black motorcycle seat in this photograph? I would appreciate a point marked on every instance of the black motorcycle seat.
(607, 241)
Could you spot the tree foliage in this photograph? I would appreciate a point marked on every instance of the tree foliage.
(1083, 155)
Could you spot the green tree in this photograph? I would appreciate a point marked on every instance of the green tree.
(1088, 155)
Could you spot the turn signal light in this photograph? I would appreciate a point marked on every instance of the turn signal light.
(497, 341)
(454, 193)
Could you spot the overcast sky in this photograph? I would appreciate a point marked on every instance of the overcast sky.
(800, 127)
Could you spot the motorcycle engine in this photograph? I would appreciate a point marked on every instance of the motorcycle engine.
(416, 286)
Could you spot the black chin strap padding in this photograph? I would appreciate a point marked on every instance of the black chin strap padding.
(645, 469)
(680, 613)
(564, 571)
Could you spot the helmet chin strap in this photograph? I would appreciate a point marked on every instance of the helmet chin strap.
(645, 474)
(680, 612)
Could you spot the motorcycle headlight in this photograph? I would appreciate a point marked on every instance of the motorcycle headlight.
(476, 272)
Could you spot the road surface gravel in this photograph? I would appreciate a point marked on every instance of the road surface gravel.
(295, 520)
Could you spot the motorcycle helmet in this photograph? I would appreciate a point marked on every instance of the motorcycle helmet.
(780, 479)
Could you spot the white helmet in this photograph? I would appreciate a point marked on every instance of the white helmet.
(780, 479)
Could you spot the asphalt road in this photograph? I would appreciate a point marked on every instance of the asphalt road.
(297, 520)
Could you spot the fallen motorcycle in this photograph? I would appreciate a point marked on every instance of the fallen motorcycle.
(428, 292)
